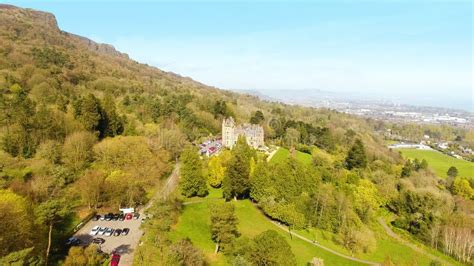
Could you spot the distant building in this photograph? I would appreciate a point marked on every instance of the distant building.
(231, 133)
(402, 145)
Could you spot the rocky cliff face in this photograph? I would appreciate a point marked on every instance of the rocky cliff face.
(102, 48)
(20, 20)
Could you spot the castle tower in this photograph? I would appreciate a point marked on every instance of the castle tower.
(228, 134)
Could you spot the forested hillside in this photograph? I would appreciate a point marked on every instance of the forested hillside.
(83, 127)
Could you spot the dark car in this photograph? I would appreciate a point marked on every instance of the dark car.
(109, 216)
(117, 232)
(116, 217)
(125, 231)
(96, 218)
(136, 216)
(98, 240)
(115, 259)
(72, 241)
(121, 217)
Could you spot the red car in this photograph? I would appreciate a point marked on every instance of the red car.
(129, 216)
(115, 259)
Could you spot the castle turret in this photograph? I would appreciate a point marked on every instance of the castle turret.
(228, 136)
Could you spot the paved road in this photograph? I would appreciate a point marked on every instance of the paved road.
(126, 245)
(392, 234)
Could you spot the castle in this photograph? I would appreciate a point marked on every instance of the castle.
(231, 132)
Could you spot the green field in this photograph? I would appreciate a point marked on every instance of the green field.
(194, 223)
(283, 153)
(439, 162)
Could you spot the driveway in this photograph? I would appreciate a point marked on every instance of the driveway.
(123, 245)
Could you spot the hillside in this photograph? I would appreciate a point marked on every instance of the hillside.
(86, 129)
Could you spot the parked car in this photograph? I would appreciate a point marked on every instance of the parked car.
(125, 231)
(121, 217)
(116, 217)
(117, 232)
(136, 216)
(115, 259)
(98, 240)
(96, 217)
(109, 216)
(94, 231)
(102, 218)
(73, 241)
(109, 232)
(102, 230)
(129, 216)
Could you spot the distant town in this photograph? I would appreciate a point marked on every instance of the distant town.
(370, 107)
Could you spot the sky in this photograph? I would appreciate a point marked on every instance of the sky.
(408, 50)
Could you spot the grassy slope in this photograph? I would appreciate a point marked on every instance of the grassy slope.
(386, 246)
(283, 153)
(194, 223)
(440, 163)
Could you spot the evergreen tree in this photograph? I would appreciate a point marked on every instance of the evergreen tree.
(424, 164)
(236, 181)
(356, 157)
(257, 118)
(407, 168)
(50, 213)
(87, 110)
(193, 182)
(111, 123)
(260, 181)
(223, 225)
(270, 248)
(452, 172)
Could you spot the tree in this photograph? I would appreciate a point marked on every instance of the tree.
(462, 188)
(77, 150)
(88, 111)
(220, 109)
(223, 225)
(21, 257)
(452, 172)
(260, 181)
(91, 187)
(50, 150)
(406, 169)
(424, 164)
(193, 182)
(366, 199)
(257, 118)
(270, 248)
(84, 256)
(356, 157)
(111, 124)
(216, 168)
(50, 213)
(183, 253)
(236, 181)
(14, 210)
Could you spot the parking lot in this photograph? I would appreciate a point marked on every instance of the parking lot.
(123, 245)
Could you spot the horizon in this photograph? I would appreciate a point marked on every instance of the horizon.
(416, 52)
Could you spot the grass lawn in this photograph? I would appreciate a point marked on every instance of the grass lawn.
(440, 163)
(283, 153)
(194, 223)
(386, 247)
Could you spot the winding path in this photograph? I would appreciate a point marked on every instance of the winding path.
(393, 235)
(284, 228)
